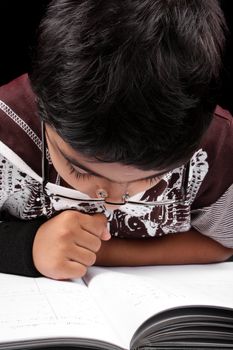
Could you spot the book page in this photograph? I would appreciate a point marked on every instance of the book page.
(44, 308)
(134, 294)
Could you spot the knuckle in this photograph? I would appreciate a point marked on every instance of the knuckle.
(68, 215)
(96, 245)
(90, 259)
(82, 270)
(64, 234)
(62, 241)
(101, 219)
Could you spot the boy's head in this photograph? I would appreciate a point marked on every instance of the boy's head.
(130, 81)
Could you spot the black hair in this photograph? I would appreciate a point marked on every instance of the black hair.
(130, 81)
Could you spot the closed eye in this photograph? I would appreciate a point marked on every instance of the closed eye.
(154, 179)
(78, 175)
(86, 176)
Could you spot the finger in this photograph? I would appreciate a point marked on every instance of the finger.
(95, 224)
(69, 270)
(87, 240)
(81, 255)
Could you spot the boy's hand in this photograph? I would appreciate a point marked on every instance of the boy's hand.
(66, 245)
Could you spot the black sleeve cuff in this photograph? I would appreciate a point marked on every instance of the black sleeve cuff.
(16, 241)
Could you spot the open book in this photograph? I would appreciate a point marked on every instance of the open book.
(158, 307)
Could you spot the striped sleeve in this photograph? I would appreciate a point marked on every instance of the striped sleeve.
(216, 221)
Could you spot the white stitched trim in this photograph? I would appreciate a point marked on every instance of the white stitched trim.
(21, 123)
(24, 126)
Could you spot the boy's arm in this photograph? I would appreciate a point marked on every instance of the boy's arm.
(181, 248)
(16, 240)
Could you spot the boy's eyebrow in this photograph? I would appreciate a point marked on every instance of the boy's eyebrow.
(91, 172)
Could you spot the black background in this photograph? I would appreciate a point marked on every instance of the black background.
(18, 22)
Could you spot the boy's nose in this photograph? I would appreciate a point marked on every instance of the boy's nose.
(114, 195)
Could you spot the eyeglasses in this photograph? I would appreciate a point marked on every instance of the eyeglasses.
(179, 198)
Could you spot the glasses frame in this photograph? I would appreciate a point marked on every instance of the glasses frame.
(125, 198)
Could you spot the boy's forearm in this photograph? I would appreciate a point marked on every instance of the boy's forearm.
(16, 240)
(183, 248)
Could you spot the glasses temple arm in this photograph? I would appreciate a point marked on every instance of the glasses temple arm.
(44, 163)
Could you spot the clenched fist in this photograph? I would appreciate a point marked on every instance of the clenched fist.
(66, 245)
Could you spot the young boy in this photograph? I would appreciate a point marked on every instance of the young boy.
(112, 151)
